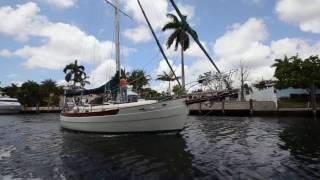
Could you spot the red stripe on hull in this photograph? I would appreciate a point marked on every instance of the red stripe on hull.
(88, 114)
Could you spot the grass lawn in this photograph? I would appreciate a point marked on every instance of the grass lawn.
(294, 104)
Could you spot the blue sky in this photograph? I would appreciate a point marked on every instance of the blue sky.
(38, 38)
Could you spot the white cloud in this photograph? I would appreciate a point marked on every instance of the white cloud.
(5, 53)
(240, 37)
(60, 3)
(197, 68)
(20, 22)
(61, 43)
(138, 34)
(156, 12)
(192, 52)
(253, 1)
(185, 9)
(18, 83)
(156, 15)
(192, 72)
(195, 51)
(243, 42)
(102, 73)
(62, 82)
(304, 13)
(163, 67)
(13, 75)
(65, 43)
(293, 46)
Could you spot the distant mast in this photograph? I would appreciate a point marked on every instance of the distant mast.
(117, 29)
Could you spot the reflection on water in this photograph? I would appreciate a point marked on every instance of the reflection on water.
(302, 139)
(153, 156)
(34, 146)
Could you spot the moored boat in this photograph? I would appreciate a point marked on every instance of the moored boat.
(145, 116)
(9, 105)
(121, 116)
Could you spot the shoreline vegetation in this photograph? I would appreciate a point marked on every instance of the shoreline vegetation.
(290, 72)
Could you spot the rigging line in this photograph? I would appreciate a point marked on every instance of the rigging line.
(157, 41)
(111, 4)
(111, 54)
(96, 47)
(193, 35)
(148, 63)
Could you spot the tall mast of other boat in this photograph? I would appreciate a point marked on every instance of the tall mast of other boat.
(117, 29)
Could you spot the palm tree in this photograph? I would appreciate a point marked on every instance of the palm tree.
(177, 90)
(167, 77)
(12, 91)
(76, 73)
(29, 94)
(138, 79)
(180, 36)
(49, 90)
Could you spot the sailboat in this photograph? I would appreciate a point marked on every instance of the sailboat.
(126, 117)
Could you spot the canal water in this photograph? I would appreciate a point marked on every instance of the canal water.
(35, 147)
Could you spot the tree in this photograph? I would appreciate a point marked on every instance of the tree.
(138, 79)
(113, 84)
(179, 36)
(177, 90)
(167, 77)
(247, 89)
(297, 73)
(29, 94)
(244, 73)
(50, 92)
(149, 93)
(12, 91)
(264, 84)
(76, 74)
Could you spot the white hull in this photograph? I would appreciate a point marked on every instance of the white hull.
(8, 107)
(162, 116)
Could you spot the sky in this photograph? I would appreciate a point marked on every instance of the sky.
(38, 38)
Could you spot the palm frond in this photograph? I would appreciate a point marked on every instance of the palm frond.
(178, 39)
(172, 38)
(173, 17)
(68, 77)
(68, 67)
(185, 40)
(81, 67)
(170, 25)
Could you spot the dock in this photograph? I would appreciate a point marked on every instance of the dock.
(227, 108)
(246, 108)
(41, 109)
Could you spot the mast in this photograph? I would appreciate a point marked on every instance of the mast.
(117, 38)
(117, 10)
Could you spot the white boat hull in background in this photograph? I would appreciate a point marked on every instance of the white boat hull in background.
(8, 107)
(158, 116)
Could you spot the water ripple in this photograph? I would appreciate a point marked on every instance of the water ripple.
(34, 146)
